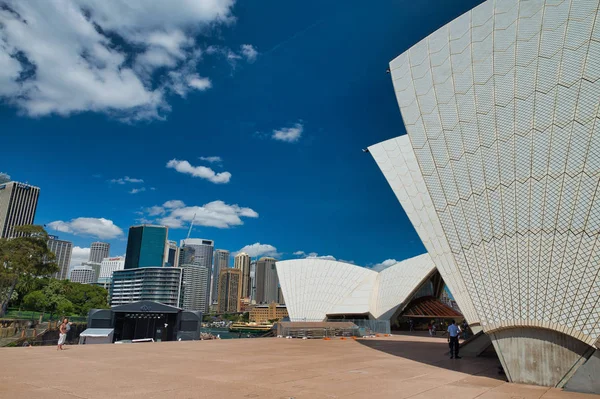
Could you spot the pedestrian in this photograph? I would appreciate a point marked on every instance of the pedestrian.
(429, 327)
(433, 328)
(62, 333)
(411, 326)
(453, 334)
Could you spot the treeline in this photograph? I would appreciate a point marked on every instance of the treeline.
(58, 297)
(26, 265)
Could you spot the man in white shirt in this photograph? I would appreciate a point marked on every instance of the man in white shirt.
(453, 334)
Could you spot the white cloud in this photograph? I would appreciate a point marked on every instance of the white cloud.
(313, 255)
(116, 57)
(137, 190)
(289, 134)
(126, 179)
(384, 265)
(249, 52)
(79, 255)
(4, 177)
(176, 214)
(211, 159)
(258, 249)
(94, 227)
(199, 171)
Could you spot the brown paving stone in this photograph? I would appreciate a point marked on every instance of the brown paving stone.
(396, 367)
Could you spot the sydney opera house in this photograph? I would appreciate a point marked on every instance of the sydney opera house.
(499, 175)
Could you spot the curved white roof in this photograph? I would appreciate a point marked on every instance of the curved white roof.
(314, 288)
(397, 161)
(501, 107)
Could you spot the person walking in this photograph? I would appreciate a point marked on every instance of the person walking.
(62, 333)
(411, 326)
(453, 334)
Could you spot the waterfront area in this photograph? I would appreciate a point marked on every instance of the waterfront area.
(395, 367)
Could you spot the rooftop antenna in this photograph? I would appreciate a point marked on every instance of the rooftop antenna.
(191, 225)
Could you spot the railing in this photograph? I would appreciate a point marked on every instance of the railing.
(368, 327)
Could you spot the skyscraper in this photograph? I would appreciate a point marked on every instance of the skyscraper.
(202, 256)
(83, 274)
(173, 254)
(62, 250)
(146, 246)
(107, 267)
(18, 203)
(99, 251)
(242, 262)
(221, 261)
(229, 290)
(195, 281)
(266, 280)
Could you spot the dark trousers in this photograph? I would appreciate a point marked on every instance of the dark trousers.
(454, 346)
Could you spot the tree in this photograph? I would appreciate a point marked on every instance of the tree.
(56, 300)
(85, 297)
(23, 257)
(35, 301)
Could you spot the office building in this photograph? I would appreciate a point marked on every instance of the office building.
(99, 251)
(18, 203)
(266, 281)
(499, 176)
(202, 256)
(96, 267)
(62, 250)
(158, 284)
(195, 281)
(221, 261)
(173, 254)
(264, 314)
(229, 290)
(83, 274)
(107, 267)
(242, 262)
(146, 246)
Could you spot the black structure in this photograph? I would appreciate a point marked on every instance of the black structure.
(146, 319)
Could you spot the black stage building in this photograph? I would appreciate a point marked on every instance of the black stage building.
(146, 319)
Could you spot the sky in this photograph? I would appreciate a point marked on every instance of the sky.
(249, 115)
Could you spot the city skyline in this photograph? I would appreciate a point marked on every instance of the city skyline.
(171, 157)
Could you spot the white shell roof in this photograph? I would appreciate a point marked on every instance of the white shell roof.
(313, 288)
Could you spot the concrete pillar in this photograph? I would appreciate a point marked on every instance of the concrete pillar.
(539, 356)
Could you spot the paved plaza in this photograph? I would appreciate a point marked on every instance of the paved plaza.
(394, 367)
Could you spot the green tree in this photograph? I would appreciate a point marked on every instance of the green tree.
(23, 257)
(35, 301)
(57, 303)
(85, 297)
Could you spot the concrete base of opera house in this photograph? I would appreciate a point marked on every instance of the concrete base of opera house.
(549, 358)
(405, 366)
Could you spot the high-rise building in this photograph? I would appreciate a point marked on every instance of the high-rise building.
(146, 246)
(62, 250)
(158, 284)
(252, 282)
(18, 203)
(221, 261)
(266, 280)
(173, 254)
(95, 267)
(107, 267)
(242, 262)
(195, 279)
(83, 274)
(99, 251)
(229, 290)
(202, 256)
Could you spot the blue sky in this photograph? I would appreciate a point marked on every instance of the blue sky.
(112, 115)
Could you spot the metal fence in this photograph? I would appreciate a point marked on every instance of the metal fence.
(318, 332)
(368, 327)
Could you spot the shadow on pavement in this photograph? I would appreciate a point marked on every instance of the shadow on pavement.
(433, 351)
